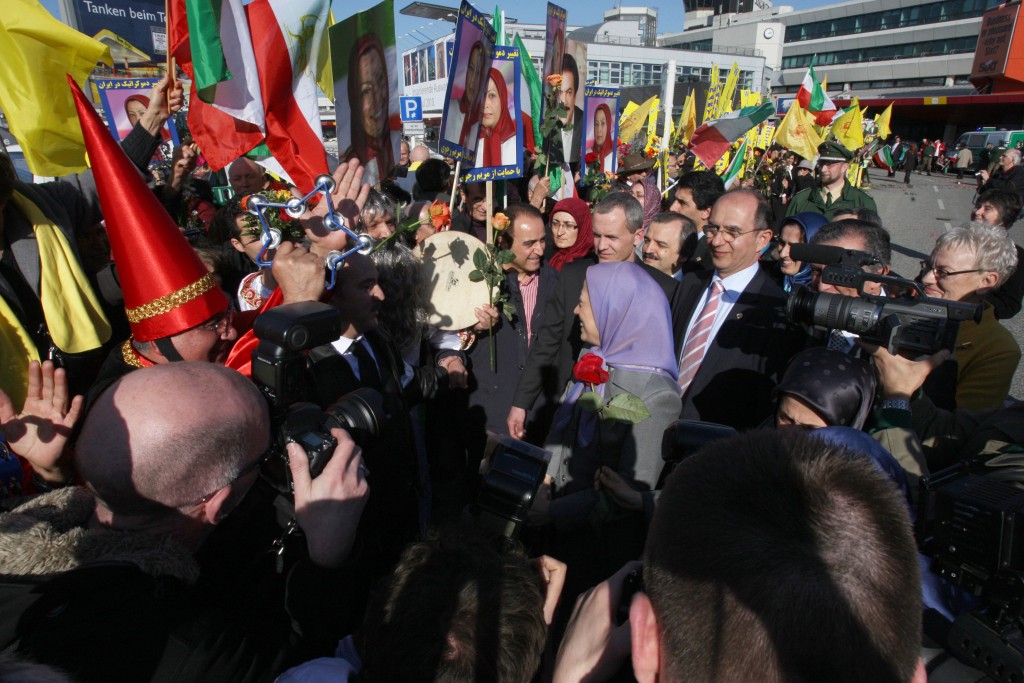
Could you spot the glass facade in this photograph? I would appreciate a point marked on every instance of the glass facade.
(917, 15)
(947, 46)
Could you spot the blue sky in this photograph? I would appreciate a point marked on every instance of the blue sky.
(581, 12)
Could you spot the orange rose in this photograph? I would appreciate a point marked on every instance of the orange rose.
(500, 221)
(555, 80)
(440, 216)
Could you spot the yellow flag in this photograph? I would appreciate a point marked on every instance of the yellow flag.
(631, 107)
(883, 121)
(324, 75)
(724, 103)
(634, 122)
(848, 129)
(38, 50)
(712, 96)
(796, 133)
(652, 121)
(688, 119)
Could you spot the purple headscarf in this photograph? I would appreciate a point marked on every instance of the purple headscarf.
(635, 325)
(633, 319)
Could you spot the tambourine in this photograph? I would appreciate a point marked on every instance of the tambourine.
(452, 296)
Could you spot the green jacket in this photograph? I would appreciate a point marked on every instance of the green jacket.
(849, 199)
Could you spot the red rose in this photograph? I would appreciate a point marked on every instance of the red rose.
(591, 157)
(590, 369)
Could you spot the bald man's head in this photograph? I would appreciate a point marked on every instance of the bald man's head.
(246, 176)
(419, 153)
(169, 435)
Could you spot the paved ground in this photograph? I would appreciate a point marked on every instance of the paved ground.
(916, 215)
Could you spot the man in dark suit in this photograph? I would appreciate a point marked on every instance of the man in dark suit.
(529, 284)
(693, 196)
(362, 357)
(733, 338)
(618, 230)
(571, 140)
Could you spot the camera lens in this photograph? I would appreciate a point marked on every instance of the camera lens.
(359, 410)
(832, 311)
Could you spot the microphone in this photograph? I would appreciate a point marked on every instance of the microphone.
(830, 256)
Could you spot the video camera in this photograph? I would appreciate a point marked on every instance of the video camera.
(912, 324)
(279, 370)
(971, 523)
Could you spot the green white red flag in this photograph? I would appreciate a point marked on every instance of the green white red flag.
(883, 159)
(210, 41)
(813, 98)
(713, 138)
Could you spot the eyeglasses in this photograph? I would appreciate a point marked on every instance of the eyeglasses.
(942, 273)
(728, 234)
(562, 225)
(218, 323)
(248, 469)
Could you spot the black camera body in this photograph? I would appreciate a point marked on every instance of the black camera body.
(510, 483)
(971, 524)
(279, 370)
(912, 324)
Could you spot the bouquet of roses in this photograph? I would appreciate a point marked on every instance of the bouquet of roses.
(278, 218)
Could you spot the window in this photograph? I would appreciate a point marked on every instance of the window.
(946, 46)
(947, 10)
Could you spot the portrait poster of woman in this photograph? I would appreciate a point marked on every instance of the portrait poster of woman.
(124, 100)
(554, 44)
(501, 127)
(467, 80)
(363, 60)
(601, 107)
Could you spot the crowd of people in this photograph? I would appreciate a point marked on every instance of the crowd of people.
(160, 524)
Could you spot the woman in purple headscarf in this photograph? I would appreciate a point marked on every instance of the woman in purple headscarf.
(625, 317)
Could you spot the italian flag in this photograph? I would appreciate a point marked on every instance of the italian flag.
(883, 159)
(713, 139)
(813, 98)
(735, 170)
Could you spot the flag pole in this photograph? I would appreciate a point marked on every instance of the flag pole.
(489, 198)
(170, 57)
(455, 186)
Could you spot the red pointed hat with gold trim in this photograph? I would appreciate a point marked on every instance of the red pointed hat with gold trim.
(167, 289)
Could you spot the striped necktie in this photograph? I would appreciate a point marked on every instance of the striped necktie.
(700, 336)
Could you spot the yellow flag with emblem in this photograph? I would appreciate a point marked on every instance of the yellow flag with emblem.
(848, 129)
(797, 134)
(724, 104)
(652, 121)
(634, 122)
(688, 119)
